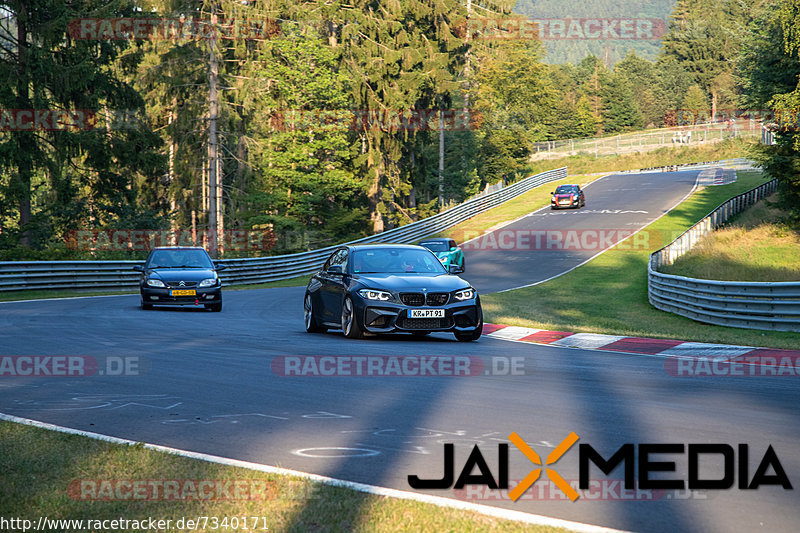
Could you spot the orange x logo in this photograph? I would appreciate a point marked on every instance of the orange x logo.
(554, 456)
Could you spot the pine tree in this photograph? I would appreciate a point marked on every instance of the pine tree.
(85, 175)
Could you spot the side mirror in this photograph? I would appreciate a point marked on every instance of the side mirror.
(552, 193)
(219, 267)
(455, 269)
(335, 269)
(452, 248)
(138, 268)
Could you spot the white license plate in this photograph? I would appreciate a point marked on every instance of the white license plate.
(426, 313)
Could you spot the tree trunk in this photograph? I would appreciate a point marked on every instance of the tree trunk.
(374, 191)
(213, 113)
(173, 206)
(374, 198)
(25, 139)
(713, 105)
(441, 158)
(241, 186)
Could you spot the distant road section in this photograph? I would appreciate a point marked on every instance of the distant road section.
(547, 243)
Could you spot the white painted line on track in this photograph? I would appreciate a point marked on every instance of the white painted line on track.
(495, 512)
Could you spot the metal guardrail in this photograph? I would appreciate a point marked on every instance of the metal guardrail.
(741, 304)
(19, 275)
(739, 163)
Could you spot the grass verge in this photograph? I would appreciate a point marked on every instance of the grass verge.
(587, 163)
(44, 294)
(755, 246)
(43, 470)
(609, 294)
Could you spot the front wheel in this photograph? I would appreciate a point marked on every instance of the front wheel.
(310, 320)
(146, 307)
(350, 326)
(215, 308)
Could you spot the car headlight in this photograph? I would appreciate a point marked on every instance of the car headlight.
(151, 282)
(370, 294)
(210, 282)
(466, 294)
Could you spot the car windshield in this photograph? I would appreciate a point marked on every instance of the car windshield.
(435, 246)
(566, 189)
(179, 259)
(396, 261)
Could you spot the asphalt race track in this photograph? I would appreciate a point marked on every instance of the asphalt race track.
(206, 383)
(617, 205)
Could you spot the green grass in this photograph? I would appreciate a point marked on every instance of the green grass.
(43, 294)
(299, 281)
(757, 245)
(609, 294)
(586, 163)
(38, 466)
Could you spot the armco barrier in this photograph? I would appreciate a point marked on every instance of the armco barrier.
(741, 304)
(19, 275)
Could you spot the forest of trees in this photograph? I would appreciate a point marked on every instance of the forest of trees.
(328, 120)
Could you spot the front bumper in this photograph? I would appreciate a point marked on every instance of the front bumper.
(162, 296)
(387, 317)
(571, 203)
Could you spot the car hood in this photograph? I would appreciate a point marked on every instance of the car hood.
(412, 282)
(176, 274)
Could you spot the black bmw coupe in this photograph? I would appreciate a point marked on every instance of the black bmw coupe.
(383, 288)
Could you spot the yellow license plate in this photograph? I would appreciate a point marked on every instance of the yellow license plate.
(184, 293)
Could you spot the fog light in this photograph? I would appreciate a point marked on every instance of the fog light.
(154, 297)
(380, 321)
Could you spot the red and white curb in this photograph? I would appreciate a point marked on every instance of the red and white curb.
(635, 345)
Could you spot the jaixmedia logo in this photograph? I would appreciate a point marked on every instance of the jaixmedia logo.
(634, 459)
